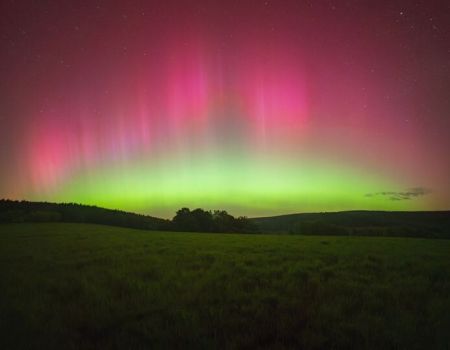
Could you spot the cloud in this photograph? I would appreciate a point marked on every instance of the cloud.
(402, 195)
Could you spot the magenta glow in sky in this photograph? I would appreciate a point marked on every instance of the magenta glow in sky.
(257, 107)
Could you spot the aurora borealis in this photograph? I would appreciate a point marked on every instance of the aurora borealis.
(255, 107)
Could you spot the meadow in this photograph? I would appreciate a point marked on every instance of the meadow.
(72, 286)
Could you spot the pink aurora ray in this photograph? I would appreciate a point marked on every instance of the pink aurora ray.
(167, 106)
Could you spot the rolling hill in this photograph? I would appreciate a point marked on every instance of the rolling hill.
(379, 223)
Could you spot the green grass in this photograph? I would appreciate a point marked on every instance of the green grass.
(71, 286)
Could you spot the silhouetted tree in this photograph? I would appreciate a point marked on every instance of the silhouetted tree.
(184, 221)
(203, 220)
(223, 222)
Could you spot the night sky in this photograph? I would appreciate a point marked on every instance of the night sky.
(255, 107)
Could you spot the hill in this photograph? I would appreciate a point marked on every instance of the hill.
(367, 223)
(86, 286)
(25, 211)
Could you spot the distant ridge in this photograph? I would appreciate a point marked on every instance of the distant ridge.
(434, 224)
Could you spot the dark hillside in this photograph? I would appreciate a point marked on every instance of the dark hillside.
(384, 223)
(24, 211)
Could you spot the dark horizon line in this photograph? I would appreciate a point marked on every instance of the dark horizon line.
(254, 217)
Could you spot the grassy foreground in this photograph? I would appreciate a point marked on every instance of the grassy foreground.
(85, 286)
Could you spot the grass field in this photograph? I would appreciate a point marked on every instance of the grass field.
(71, 286)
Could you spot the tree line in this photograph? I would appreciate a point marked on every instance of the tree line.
(197, 220)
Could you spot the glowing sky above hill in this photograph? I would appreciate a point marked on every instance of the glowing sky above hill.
(255, 107)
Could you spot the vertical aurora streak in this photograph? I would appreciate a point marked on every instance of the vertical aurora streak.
(258, 108)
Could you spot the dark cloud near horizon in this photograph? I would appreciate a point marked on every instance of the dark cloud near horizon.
(402, 195)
